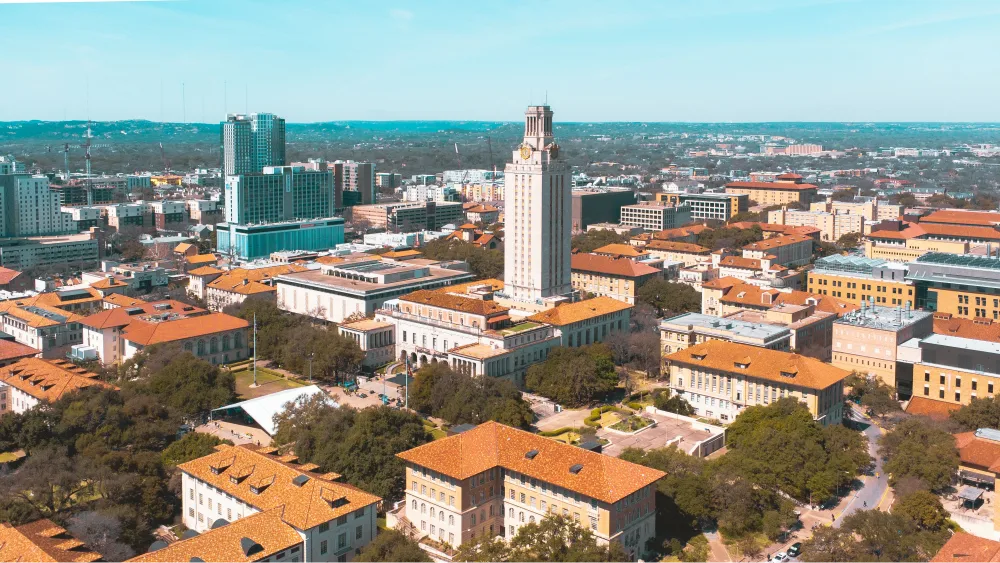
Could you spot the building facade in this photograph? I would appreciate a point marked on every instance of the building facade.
(708, 206)
(251, 142)
(866, 340)
(860, 280)
(655, 216)
(249, 242)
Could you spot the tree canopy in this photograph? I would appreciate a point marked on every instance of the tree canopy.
(730, 237)
(554, 538)
(574, 376)
(361, 445)
(390, 545)
(670, 298)
(483, 262)
(439, 391)
(917, 447)
(872, 535)
(590, 241)
(981, 412)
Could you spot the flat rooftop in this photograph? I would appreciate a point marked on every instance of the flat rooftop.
(738, 328)
(358, 285)
(883, 318)
(753, 316)
(965, 343)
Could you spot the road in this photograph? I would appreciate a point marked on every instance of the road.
(875, 485)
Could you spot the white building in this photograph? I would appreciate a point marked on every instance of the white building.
(30, 208)
(32, 381)
(537, 216)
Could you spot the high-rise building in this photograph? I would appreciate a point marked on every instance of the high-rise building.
(357, 177)
(538, 215)
(251, 142)
(30, 208)
(280, 193)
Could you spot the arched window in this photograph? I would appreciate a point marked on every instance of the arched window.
(511, 512)
(423, 508)
(226, 342)
(531, 519)
(239, 339)
(201, 347)
(520, 516)
(432, 512)
(414, 505)
(441, 516)
(451, 519)
(188, 346)
(215, 344)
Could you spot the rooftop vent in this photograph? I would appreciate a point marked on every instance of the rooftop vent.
(250, 547)
(531, 454)
(188, 534)
(300, 480)
(219, 523)
(576, 469)
(196, 559)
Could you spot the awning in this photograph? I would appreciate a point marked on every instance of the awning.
(970, 493)
(262, 409)
(976, 477)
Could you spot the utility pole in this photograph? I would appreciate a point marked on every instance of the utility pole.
(311, 354)
(255, 349)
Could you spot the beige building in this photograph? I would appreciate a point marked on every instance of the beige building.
(831, 226)
(866, 340)
(617, 278)
(720, 379)
(786, 189)
(375, 338)
(29, 382)
(409, 216)
(494, 479)
(908, 250)
(672, 251)
(785, 250)
(655, 215)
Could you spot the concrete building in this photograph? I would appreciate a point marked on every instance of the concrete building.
(967, 286)
(908, 250)
(831, 226)
(785, 250)
(80, 250)
(870, 208)
(355, 177)
(375, 338)
(471, 176)
(388, 180)
(683, 331)
(655, 216)
(362, 285)
(586, 322)
(859, 280)
(251, 142)
(866, 340)
(617, 278)
(685, 252)
(126, 279)
(84, 218)
(431, 192)
(252, 241)
(538, 217)
(592, 206)
(708, 206)
(29, 208)
(493, 479)
(787, 188)
(409, 216)
(103, 331)
(169, 215)
(130, 217)
(30, 382)
(221, 289)
(205, 211)
(279, 193)
(311, 516)
(720, 379)
(811, 330)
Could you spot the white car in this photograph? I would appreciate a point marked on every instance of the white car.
(779, 557)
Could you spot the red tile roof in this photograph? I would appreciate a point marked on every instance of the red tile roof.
(938, 410)
(42, 540)
(982, 329)
(978, 452)
(7, 275)
(48, 380)
(10, 350)
(611, 266)
(146, 333)
(771, 185)
(962, 217)
(964, 547)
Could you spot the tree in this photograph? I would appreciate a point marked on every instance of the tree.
(664, 400)
(981, 412)
(574, 376)
(924, 508)
(360, 445)
(50, 481)
(669, 298)
(730, 237)
(873, 394)
(554, 538)
(917, 448)
(483, 262)
(849, 240)
(390, 545)
(102, 533)
(460, 398)
(192, 385)
(592, 240)
(192, 446)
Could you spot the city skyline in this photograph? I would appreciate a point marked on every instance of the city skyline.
(770, 61)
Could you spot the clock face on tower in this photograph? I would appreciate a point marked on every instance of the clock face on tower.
(525, 152)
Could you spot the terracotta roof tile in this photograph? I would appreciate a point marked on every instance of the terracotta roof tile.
(673, 246)
(962, 217)
(984, 329)
(679, 232)
(626, 250)
(147, 333)
(249, 281)
(491, 444)
(119, 316)
(42, 540)
(205, 271)
(571, 313)
(771, 186)
(777, 242)
(978, 452)
(10, 349)
(7, 275)
(435, 298)
(611, 266)
(923, 406)
(762, 363)
(201, 259)
(964, 547)
(122, 300)
(48, 380)
(183, 247)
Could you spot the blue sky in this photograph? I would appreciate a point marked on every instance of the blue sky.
(666, 60)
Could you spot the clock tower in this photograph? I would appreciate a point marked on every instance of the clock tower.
(537, 217)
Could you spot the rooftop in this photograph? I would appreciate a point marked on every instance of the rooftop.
(777, 242)
(147, 333)
(571, 313)
(880, 317)
(437, 298)
(605, 478)
(626, 250)
(611, 266)
(980, 449)
(265, 482)
(674, 246)
(771, 185)
(771, 365)
(938, 410)
(979, 329)
(48, 380)
(962, 217)
(738, 329)
(966, 548)
(42, 540)
(10, 349)
(365, 325)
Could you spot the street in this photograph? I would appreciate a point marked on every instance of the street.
(875, 485)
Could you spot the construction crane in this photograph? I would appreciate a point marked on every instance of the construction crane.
(66, 159)
(86, 147)
(493, 166)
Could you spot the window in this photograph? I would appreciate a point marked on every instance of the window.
(322, 547)
(324, 527)
(342, 538)
(357, 532)
(191, 493)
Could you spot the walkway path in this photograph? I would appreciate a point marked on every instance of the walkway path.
(876, 485)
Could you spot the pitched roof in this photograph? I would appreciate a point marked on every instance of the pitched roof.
(965, 547)
(611, 266)
(265, 529)
(724, 282)
(10, 349)
(409, 253)
(619, 250)
(679, 232)
(183, 247)
(205, 271)
(962, 217)
(7, 275)
(978, 452)
(147, 333)
(909, 231)
(248, 281)
(36, 314)
(201, 259)
(42, 540)
(771, 185)
(571, 313)
(958, 231)
(673, 246)
(122, 300)
(741, 262)
(444, 300)
(48, 380)
(923, 406)
(124, 316)
(492, 444)
(980, 329)
(746, 294)
(761, 363)
(776, 228)
(307, 505)
(108, 283)
(777, 242)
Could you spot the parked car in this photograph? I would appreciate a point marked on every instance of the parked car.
(795, 550)
(779, 557)
(363, 395)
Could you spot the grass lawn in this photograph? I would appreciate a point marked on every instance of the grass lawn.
(609, 418)
(567, 438)
(6, 457)
(435, 432)
(268, 382)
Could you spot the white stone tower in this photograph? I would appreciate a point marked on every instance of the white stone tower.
(537, 216)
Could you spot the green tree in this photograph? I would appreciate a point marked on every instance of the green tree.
(670, 298)
(917, 448)
(592, 240)
(981, 412)
(360, 445)
(460, 398)
(483, 262)
(924, 508)
(390, 545)
(192, 446)
(554, 538)
(664, 400)
(849, 240)
(192, 386)
(574, 376)
(878, 398)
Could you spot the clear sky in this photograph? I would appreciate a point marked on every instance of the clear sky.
(622, 60)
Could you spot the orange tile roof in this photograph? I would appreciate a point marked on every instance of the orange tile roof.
(777, 242)
(205, 271)
(909, 231)
(607, 265)
(122, 300)
(741, 262)
(183, 247)
(679, 232)
(978, 452)
(962, 217)
(571, 313)
(672, 246)
(619, 250)
(10, 349)
(7, 275)
(410, 253)
(471, 305)
(923, 406)
(42, 540)
(266, 529)
(250, 281)
(365, 325)
(760, 363)
(311, 504)
(119, 316)
(776, 228)
(789, 176)
(108, 283)
(48, 380)
(201, 259)
(147, 333)
(493, 283)
(771, 186)
(751, 295)
(722, 283)
(481, 208)
(981, 233)
(983, 329)
(964, 547)
(491, 444)
(17, 309)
